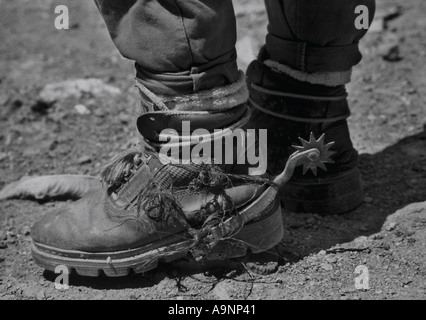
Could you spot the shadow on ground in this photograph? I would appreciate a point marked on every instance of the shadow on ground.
(392, 179)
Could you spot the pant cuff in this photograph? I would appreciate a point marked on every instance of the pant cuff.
(217, 99)
(330, 79)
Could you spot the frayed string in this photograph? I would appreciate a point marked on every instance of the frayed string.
(115, 173)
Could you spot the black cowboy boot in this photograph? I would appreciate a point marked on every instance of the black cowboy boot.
(292, 110)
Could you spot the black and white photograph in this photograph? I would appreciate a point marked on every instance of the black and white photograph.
(213, 155)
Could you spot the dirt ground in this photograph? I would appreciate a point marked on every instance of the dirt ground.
(318, 255)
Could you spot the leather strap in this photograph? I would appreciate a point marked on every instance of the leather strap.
(298, 107)
(151, 124)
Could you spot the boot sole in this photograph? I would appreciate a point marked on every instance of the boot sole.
(336, 194)
(256, 236)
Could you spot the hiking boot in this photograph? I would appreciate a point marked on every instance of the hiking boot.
(151, 211)
(292, 110)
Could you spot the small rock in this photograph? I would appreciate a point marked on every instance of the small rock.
(3, 235)
(393, 54)
(3, 155)
(377, 236)
(371, 117)
(322, 253)
(41, 295)
(84, 160)
(232, 274)
(313, 258)
(124, 118)
(361, 241)
(391, 226)
(10, 234)
(326, 266)
(331, 259)
(411, 91)
(26, 231)
(82, 109)
(221, 291)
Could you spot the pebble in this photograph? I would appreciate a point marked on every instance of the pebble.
(331, 259)
(361, 241)
(391, 226)
(84, 160)
(26, 230)
(10, 234)
(124, 118)
(232, 274)
(326, 266)
(82, 109)
(392, 54)
(41, 295)
(377, 236)
(221, 291)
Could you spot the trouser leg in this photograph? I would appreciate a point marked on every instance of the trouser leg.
(179, 46)
(315, 36)
(297, 90)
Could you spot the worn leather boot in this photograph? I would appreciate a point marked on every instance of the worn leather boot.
(291, 109)
(150, 211)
